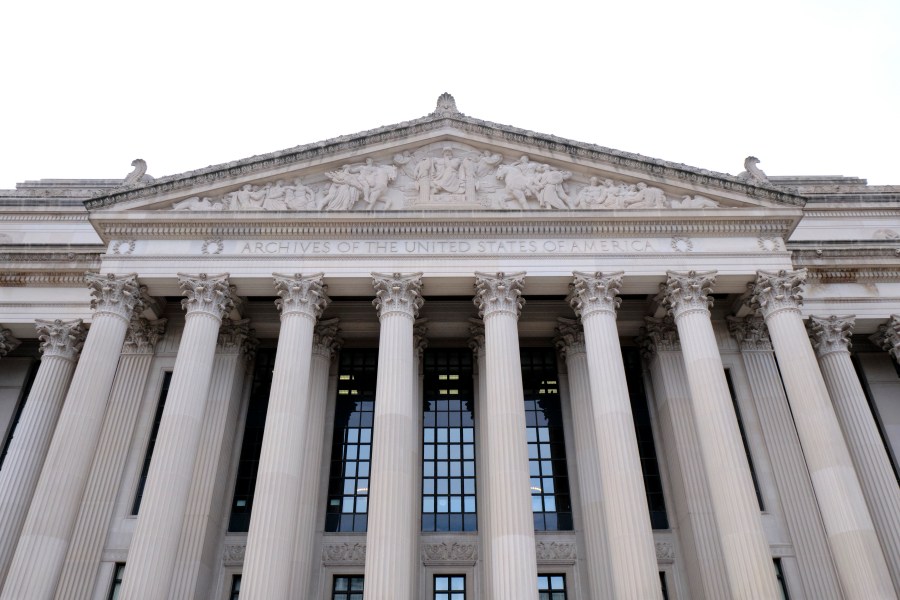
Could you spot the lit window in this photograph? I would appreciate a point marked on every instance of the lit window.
(449, 587)
(552, 587)
(347, 587)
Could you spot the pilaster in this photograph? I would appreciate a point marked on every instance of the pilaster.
(45, 537)
(692, 506)
(817, 572)
(745, 551)
(154, 546)
(273, 524)
(511, 542)
(854, 545)
(92, 524)
(61, 341)
(831, 340)
(631, 551)
(391, 541)
(571, 345)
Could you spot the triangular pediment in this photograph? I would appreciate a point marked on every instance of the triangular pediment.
(445, 161)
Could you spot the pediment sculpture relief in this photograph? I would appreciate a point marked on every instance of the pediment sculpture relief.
(445, 176)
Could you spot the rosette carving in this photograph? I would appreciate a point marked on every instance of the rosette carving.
(750, 332)
(8, 342)
(450, 552)
(301, 295)
(344, 553)
(143, 334)
(688, 292)
(210, 295)
(831, 334)
(774, 292)
(326, 338)
(398, 293)
(63, 339)
(569, 337)
(119, 296)
(499, 293)
(593, 293)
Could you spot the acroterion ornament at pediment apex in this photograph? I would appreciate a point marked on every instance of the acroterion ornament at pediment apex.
(446, 161)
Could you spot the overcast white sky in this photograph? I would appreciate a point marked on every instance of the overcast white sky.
(810, 87)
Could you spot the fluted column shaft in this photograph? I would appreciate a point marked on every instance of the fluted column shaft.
(41, 551)
(632, 554)
(879, 485)
(60, 343)
(857, 554)
(476, 343)
(572, 345)
(692, 508)
(747, 557)
(154, 546)
(391, 540)
(91, 527)
(325, 343)
(273, 524)
(198, 555)
(513, 560)
(801, 512)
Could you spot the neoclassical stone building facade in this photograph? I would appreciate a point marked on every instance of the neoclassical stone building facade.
(450, 359)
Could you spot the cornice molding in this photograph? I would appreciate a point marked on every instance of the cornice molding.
(318, 151)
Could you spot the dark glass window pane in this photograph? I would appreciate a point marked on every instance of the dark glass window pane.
(23, 396)
(663, 585)
(550, 500)
(351, 447)
(779, 573)
(552, 587)
(449, 587)
(154, 431)
(448, 437)
(116, 584)
(251, 446)
(235, 587)
(347, 587)
(643, 430)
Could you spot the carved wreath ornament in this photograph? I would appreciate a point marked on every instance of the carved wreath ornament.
(443, 175)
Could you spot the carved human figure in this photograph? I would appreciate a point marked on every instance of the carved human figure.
(591, 196)
(374, 179)
(447, 176)
(475, 167)
(197, 203)
(695, 202)
(645, 197)
(274, 198)
(299, 196)
(246, 199)
(344, 192)
(552, 192)
(519, 180)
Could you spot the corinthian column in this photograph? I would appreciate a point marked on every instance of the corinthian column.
(61, 342)
(857, 554)
(817, 572)
(391, 541)
(8, 342)
(888, 337)
(273, 524)
(571, 344)
(692, 503)
(510, 537)
(325, 343)
(151, 557)
(745, 552)
(92, 525)
(831, 338)
(45, 536)
(631, 551)
(476, 344)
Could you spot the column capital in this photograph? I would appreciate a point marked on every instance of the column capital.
(476, 336)
(398, 293)
(686, 292)
(888, 337)
(209, 295)
(420, 337)
(8, 342)
(237, 337)
(658, 335)
(499, 293)
(774, 292)
(59, 338)
(750, 332)
(831, 334)
(326, 338)
(119, 296)
(301, 295)
(569, 338)
(592, 293)
(142, 335)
